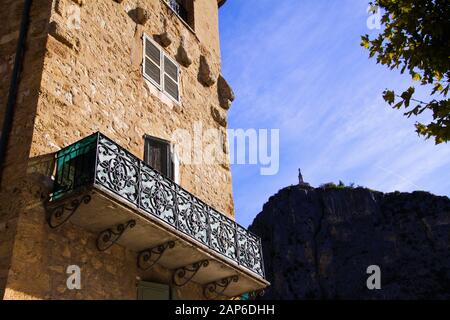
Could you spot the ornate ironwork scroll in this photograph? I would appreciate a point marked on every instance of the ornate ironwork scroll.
(158, 196)
(192, 216)
(223, 234)
(183, 275)
(110, 236)
(250, 255)
(145, 260)
(256, 294)
(215, 289)
(57, 216)
(97, 160)
(180, 10)
(118, 170)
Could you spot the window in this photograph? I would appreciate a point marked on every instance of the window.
(171, 75)
(155, 291)
(183, 9)
(161, 70)
(159, 155)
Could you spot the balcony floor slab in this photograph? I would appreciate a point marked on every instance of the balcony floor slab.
(107, 210)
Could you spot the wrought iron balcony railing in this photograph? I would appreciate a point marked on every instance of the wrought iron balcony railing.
(98, 161)
(179, 9)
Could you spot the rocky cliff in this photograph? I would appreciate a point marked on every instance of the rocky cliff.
(319, 242)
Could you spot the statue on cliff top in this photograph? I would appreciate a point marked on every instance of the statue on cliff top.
(301, 182)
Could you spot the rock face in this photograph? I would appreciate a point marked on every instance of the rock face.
(319, 242)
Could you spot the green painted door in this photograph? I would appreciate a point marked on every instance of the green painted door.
(153, 291)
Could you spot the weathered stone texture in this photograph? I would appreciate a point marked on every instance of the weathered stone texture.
(14, 184)
(85, 76)
(318, 244)
(99, 88)
(225, 92)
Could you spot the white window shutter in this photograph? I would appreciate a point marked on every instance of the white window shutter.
(171, 78)
(161, 70)
(152, 62)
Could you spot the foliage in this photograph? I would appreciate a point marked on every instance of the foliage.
(328, 185)
(341, 185)
(415, 38)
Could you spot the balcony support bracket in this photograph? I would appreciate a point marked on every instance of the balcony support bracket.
(106, 239)
(57, 216)
(257, 294)
(215, 289)
(145, 260)
(99, 167)
(183, 275)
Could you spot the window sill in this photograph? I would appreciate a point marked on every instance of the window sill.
(162, 95)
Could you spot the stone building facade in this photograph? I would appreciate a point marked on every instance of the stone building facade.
(87, 67)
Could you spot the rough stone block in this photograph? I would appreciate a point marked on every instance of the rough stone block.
(206, 76)
(219, 116)
(64, 36)
(226, 94)
(183, 56)
(142, 15)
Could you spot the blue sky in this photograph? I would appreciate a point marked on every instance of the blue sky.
(297, 66)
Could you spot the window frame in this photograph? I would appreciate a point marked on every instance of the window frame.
(155, 286)
(162, 54)
(164, 73)
(145, 56)
(170, 161)
(190, 24)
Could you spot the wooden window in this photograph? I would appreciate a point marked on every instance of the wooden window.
(171, 78)
(184, 9)
(155, 291)
(161, 70)
(152, 62)
(158, 156)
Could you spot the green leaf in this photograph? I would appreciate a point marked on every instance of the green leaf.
(365, 41)
(398, 105)
(416, 77)
(414, 39)
(389, 96)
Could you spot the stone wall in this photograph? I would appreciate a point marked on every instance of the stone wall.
(14, 184)
(41, 258)
(85, 76)
(97, 85)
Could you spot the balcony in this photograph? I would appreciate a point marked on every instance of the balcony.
(105, 189)
(178, 7)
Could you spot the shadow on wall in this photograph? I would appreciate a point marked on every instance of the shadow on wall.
(17, 156)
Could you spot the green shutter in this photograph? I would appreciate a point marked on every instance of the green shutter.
(75, 166)
(153, 291)
(174, 294)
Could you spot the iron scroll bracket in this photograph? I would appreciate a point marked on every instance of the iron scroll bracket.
(145, 260)
(107, 238)
(60, 214)
(215, 289)
(183, 275)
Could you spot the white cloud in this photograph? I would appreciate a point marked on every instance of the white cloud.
(298, 66)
